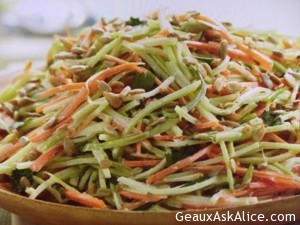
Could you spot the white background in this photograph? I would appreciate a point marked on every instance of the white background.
(281, 15)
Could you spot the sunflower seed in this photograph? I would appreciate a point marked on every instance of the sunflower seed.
(98, 30)
(223, 49)
(262, 166)
(229, 123)
(22, 92)
(277, 53)
(267, 80)
(105, 39)
(78, 50)
(275, 79)
(127, 37)
(104, 87)
(24, 182)
(113, 99)
(105, 163)
(50, 123)
(69, 147)
(24, 140)
(219, 83)
(90, 51)
(65, 55)
(78, 68)
(190, 60)
(272, 40)
(259, 134)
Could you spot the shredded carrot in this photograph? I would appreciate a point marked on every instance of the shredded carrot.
(235, 193)
(260, 108)
(178, 165)
(168, 137)
(78, 99)
(264, 62)
(40, 108)
(276, 179)
(214, 48)
(105, 74)
(84, 199)
(275, 138)
(234, 116)
(204, 168)
(141, 163)
(223, 30)
(28, 66)
(45, 158)
(121, 61)
(6, 154)
(63, 88)
(145, 198)
(162, 33)
(206, 125)
(38, 135)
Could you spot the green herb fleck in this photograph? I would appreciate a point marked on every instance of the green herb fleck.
(135, 22)
(16, 176)
(144, 81)
(270, 119)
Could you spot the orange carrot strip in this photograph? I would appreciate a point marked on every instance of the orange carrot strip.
(168, 137)
(121, 61)
(205, 125)
(214, 48)
(223, 29)
(162, 33)
(63, 88)
(235, 193)
(265, 62)
(179, 165)
(145, 198)
(6, 154)
(39, 135)
(234, 116)
(276, 179)
(40, 108)
(204, 168)
(141, 163)
(105, 74)
(45, 158)
(78, 99)
(84, 199)
(276, 138)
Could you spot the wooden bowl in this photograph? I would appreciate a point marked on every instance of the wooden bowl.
(48, 213)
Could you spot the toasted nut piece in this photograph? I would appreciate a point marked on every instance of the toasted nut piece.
(50, 123)
(24, 182)
(259, 134)
(223, 49)
(267, 80)
(277, 53)
(24, 140)
(113, 99)
(78, 50)
(78, 68)
(65, 55)
(104, 87)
